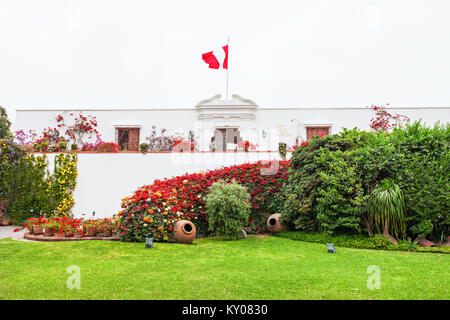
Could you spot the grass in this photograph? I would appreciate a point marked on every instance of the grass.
(254, 268)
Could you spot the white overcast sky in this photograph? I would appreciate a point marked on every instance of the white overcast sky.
(141, 53)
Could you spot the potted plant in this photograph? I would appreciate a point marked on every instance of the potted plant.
(62, 145)
(143, 147)
(78, 232)
(74, 147)
(49, 228)
(35, 225)
(60, 231)
(69, 231)
(44, 146)
(5, 221)
(90, 227)
(106, 227)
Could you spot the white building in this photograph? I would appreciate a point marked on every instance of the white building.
(225, 122)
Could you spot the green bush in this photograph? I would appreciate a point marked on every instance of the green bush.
(228, 209)
(417, 158)
(377, 242)
(332, 178)
(5, 125)
(323, 191)
(26, 187)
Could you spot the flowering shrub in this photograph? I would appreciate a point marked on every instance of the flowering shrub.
(162, 142)
(63, 183)
(153, 210)
(26, 186)
(246, 145)
(70, 226)
(5, 124)
(384, 121)
(82, 127)
(107, 147)
(26, 140)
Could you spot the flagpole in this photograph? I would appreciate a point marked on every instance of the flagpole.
(228, 66)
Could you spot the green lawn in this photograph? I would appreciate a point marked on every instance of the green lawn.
(254, 268)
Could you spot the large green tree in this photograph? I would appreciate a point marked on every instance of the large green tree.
(5, 124)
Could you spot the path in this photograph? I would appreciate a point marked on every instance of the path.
(8, 232)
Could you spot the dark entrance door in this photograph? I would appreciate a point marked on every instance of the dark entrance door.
(128, 138)
(224, 136)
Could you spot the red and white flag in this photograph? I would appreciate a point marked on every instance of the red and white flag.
(211, 58)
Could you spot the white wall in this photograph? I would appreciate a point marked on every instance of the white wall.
(106, 178)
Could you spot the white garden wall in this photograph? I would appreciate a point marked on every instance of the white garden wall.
(105, 178)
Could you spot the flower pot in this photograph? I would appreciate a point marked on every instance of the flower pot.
(91, 232)
(184, 232)
(48, 232)
(78, 234)
(60, 234)
(37, 229)
(107, 233)
(6, 222)
(274, 225)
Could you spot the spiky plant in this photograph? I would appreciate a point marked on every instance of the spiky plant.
(387, 207)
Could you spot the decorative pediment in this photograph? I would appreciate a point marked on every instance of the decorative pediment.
(236, 107)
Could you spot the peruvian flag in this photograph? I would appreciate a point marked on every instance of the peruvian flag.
(211, 58)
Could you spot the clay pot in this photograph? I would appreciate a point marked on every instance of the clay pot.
(274, 225)
(107, 233)
(91, 232)
(37, 229)
(446, 242)
(48, 232)
(184, 232)
(6, 222)
(60, 234)
(424, 242)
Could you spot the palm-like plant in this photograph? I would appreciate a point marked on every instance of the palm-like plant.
(387, 207)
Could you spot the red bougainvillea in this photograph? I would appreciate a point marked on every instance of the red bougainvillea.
(384, 121)
(153, 210)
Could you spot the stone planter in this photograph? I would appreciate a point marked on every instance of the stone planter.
(37, 229)
(184, 232)
(274, 225)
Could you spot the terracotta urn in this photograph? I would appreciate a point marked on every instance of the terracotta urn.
(424, 242)
(184, 232)
(37, 229)
(274, 225)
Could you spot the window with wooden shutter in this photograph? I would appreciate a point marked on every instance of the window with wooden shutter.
(128, 138)
(320, 131)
